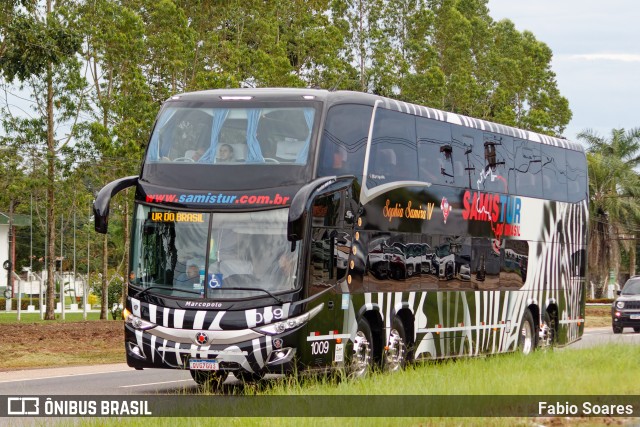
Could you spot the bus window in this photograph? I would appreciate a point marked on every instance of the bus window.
(434, 138)
(514, 261)
(196, 134)
(467, 159)
(186, 136)
(528, 169)
(344, 140)
(497, 172)
(393, 154)
(554, 176)
(576, 176)
(485, 263)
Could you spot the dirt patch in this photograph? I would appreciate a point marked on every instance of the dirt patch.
(35, 345)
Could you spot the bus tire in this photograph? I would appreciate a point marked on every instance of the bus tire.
(210, 379)
(527, 333)
(548, 331)
(395, 352)
(361, 361)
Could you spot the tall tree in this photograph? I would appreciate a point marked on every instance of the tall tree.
(121, 107)
(40, 48)
(614, 188)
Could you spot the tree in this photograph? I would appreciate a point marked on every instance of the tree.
(121, 109)
(614, 186)
(40, 47)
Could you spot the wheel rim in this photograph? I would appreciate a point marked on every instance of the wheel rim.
(526, 335)
(547, 333)
(361, 355)
(396, 351)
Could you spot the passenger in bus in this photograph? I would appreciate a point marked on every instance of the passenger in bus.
(225, 154)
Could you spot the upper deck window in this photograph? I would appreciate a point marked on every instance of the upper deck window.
(192, 133)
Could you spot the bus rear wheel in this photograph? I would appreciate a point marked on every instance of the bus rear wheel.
(212, 379)
(361, 360)
(395, 352)
(527, 337)
(548, 331)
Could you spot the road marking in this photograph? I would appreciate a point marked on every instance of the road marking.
(147, 384)
(61, 376)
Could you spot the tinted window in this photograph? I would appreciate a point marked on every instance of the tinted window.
(497, 172)
(554, 177)
(434, 140)
(466, 159)
(344, 140)
(513, 264)
(527, 168)
(576, 176)
(393, 154)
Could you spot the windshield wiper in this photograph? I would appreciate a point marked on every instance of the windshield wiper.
(166, 288)
(240, 288)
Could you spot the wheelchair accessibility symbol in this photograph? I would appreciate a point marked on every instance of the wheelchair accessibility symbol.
(215, 281)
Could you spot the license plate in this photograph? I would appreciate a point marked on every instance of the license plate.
(635, 317)
(204, 364)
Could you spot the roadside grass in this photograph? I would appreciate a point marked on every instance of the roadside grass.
(597, 371)
(28, 317)
(24, 356)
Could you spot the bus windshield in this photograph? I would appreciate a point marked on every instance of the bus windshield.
(190, 133)
(212, 255)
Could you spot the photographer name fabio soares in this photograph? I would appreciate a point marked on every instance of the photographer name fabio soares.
(586, 408)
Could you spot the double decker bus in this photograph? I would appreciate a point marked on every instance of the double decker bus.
(283, 230)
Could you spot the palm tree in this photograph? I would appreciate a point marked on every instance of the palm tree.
(614, 186)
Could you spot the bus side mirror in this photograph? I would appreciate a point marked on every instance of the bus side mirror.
(101, 204)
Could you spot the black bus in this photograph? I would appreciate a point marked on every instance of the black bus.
(282, 230)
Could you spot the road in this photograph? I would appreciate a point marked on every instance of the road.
(119, 379)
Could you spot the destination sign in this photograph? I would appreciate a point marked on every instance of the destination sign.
(176, 217)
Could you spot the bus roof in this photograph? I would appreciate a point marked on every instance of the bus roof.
(346, 97)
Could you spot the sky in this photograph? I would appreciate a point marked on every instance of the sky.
(596, 56)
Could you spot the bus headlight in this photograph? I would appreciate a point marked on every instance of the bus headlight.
(136, 322)
(288, 324)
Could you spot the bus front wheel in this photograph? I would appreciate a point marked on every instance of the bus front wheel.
(361, 360)
(527, 336)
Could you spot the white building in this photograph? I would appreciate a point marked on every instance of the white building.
(17, 221)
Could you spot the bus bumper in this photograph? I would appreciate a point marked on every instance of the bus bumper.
(262, 354)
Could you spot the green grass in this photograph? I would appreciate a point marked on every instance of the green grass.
(603, 370)
(26, 317)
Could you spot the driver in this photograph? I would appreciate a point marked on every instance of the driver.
(191, 276)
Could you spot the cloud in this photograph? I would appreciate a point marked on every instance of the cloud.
(611, 57)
